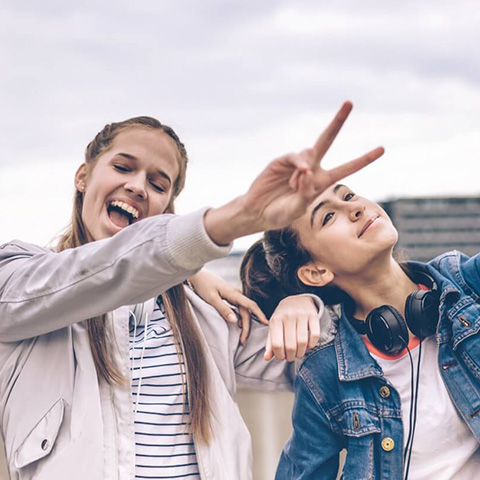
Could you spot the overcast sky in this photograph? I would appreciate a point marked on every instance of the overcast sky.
(241, 82)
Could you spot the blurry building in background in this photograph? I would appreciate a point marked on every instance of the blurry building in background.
(427, 227)
(430, 226)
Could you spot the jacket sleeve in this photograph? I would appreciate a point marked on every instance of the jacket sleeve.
(251, 368)
(237, 362)
(245, 363)
(42, 291)
(312, 452)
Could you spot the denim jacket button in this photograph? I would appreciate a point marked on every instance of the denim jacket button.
(388, 444)
(384, 392)
(464, 321)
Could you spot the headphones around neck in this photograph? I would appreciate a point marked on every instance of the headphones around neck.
(388, 330)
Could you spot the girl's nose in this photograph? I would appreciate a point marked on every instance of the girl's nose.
(136, 186)
(356, 211)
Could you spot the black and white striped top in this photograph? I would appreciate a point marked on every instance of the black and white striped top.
(164, 448)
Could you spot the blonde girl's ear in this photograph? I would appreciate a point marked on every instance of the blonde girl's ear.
(81, 177)
(315, 276)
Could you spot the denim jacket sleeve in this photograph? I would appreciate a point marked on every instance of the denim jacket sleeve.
(312, 452)
(42, 291)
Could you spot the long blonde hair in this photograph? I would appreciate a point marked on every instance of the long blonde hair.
(177, 309)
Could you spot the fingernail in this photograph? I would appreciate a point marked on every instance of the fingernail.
(231, 317)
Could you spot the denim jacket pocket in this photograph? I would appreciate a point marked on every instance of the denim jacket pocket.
(357, 421)
(41, 439)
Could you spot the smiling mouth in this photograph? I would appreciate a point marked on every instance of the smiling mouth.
(122, 214)
(367, 225)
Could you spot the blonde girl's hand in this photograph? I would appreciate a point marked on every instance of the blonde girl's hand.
(285, 188)
(279, 201)
(221, 295)
(293, 328)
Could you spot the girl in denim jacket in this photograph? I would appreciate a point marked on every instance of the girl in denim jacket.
(398, 383)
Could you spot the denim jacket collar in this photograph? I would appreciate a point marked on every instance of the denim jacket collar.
(353, 359)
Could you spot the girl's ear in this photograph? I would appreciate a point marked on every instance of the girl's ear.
(315, 276)
(81, 177)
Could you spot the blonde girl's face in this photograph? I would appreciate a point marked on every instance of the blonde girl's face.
(344, 232)
(130, 181)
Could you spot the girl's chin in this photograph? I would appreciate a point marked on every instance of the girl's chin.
(106, 231)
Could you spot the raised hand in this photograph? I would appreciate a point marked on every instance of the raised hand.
(283, 191)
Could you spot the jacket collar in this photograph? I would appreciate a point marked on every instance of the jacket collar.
(353, 359)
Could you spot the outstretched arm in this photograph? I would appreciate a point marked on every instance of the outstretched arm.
(282, 192)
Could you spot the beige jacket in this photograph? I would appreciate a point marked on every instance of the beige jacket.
(57, 419)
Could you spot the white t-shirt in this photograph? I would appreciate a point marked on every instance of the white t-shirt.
(444, 448)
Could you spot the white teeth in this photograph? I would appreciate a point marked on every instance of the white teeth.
(128, 208)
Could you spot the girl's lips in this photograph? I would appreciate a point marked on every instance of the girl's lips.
(368, 224)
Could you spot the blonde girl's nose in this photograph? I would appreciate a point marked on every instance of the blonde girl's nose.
(137, 186)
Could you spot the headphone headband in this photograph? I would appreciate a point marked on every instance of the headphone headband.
(419, 276)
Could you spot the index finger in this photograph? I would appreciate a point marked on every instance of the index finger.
(326, 139)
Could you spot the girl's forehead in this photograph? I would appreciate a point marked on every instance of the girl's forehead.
(333, 191)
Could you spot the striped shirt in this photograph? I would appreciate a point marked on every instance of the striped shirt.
(164, 448)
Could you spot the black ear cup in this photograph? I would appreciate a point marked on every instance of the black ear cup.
(386, 329)
(421, 312)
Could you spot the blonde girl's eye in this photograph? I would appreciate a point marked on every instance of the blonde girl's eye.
(158, 188)
(327, 218)
(121, 168)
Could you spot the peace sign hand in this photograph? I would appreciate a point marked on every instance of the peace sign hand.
(283, 191)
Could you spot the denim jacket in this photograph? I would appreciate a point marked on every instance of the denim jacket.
(341, 399)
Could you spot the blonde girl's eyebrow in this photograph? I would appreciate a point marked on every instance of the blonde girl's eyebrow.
(319, 205)
(128, 156)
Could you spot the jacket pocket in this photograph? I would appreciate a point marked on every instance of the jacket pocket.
(357, 422)
(40, 441)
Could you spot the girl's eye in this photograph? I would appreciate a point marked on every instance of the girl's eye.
(158, 188)
(121, 168)
(349, 196)
(327, 218)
